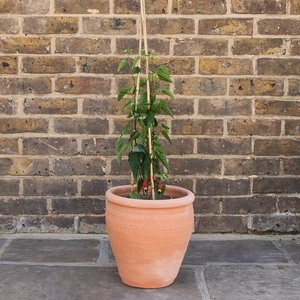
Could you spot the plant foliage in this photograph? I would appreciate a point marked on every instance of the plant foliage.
(143, 123)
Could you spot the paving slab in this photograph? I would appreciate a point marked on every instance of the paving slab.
(293, 249)
(43, 250)
(236, 282)
(230, 251)
(2, 242)
(84, 283)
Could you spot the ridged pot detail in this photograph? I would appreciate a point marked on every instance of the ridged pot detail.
(149, 237)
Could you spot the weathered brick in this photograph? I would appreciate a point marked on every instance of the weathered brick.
(225, 66)
(93, 187)
(41, 85)
(24, 7)
(9, 146)
(249, 205)
(225, 107)
(9, 26)
(295, 47)
(8, 224)
(181, 106)
(258, 6)
(292, 127)
(50, 65)
(8, 65)
(197, 127)
(201, 86)
(183, 182)
(79, 166)
(102, 106)
(109, 26)
(25, 45)
(91, 224)
(83, 85)
(294, 87)
(87, 6)
(49, 186)
(155, 45)
(82, 45)
(81, 125)
(9, 187)
(170, 26)
(196, 46)
(192, 166)
(295, 7)
(49, 146)
(279, 26)
(207, 205)
(101, 65)
(280, 108)
(8, 106)
(218, 186)
(50, 25)
(287, 147)
(22, 206)
(133, 7)
(220, 224)
(179, 146)
(281, 223)
(278, 185)
(60, 106)
(288, 204)
(77, 206)
(278, 66)
(99, 146)
(259, 46)
(255, 87)
(122, 169)
(226, 26)
(199, 7)
(24, 166)
(16, 125)
(253, 127)
(221, 146)
(178, 66)
(235, 166)
(291, 166)
(55, 224)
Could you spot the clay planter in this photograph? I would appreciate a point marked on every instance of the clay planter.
(149, 237)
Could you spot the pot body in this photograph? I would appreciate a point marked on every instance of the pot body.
(149, 237)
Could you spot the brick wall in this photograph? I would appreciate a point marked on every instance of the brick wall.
(236, 133)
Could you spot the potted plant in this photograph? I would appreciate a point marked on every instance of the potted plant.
(148, 223)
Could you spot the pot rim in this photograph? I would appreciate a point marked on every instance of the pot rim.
(118, 195)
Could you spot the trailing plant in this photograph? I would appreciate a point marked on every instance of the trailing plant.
(140, 137)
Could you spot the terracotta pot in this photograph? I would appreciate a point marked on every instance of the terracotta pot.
(149, 237)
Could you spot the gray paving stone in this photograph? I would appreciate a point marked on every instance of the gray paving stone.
(85, 283)
(293, 248)
(230, 251)
(2, 241)
(33, 250)
(253, 282)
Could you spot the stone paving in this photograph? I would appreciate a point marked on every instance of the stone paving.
(216, 267)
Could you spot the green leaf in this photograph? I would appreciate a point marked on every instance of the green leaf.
(163, 74)
(135, 61)
(123, 92)
(166, 91)
(146, 166)
(149, 119)
(156, 107)
(135, 159)
(142, 136)
(136, 70)
(160, 154)
(127, 103)
(139, 149)
(165, 134)
(165, 126)
(122, 64)
(166, 108)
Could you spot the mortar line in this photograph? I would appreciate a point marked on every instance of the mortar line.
(4, 247)
(280, 247)
(201, 283)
